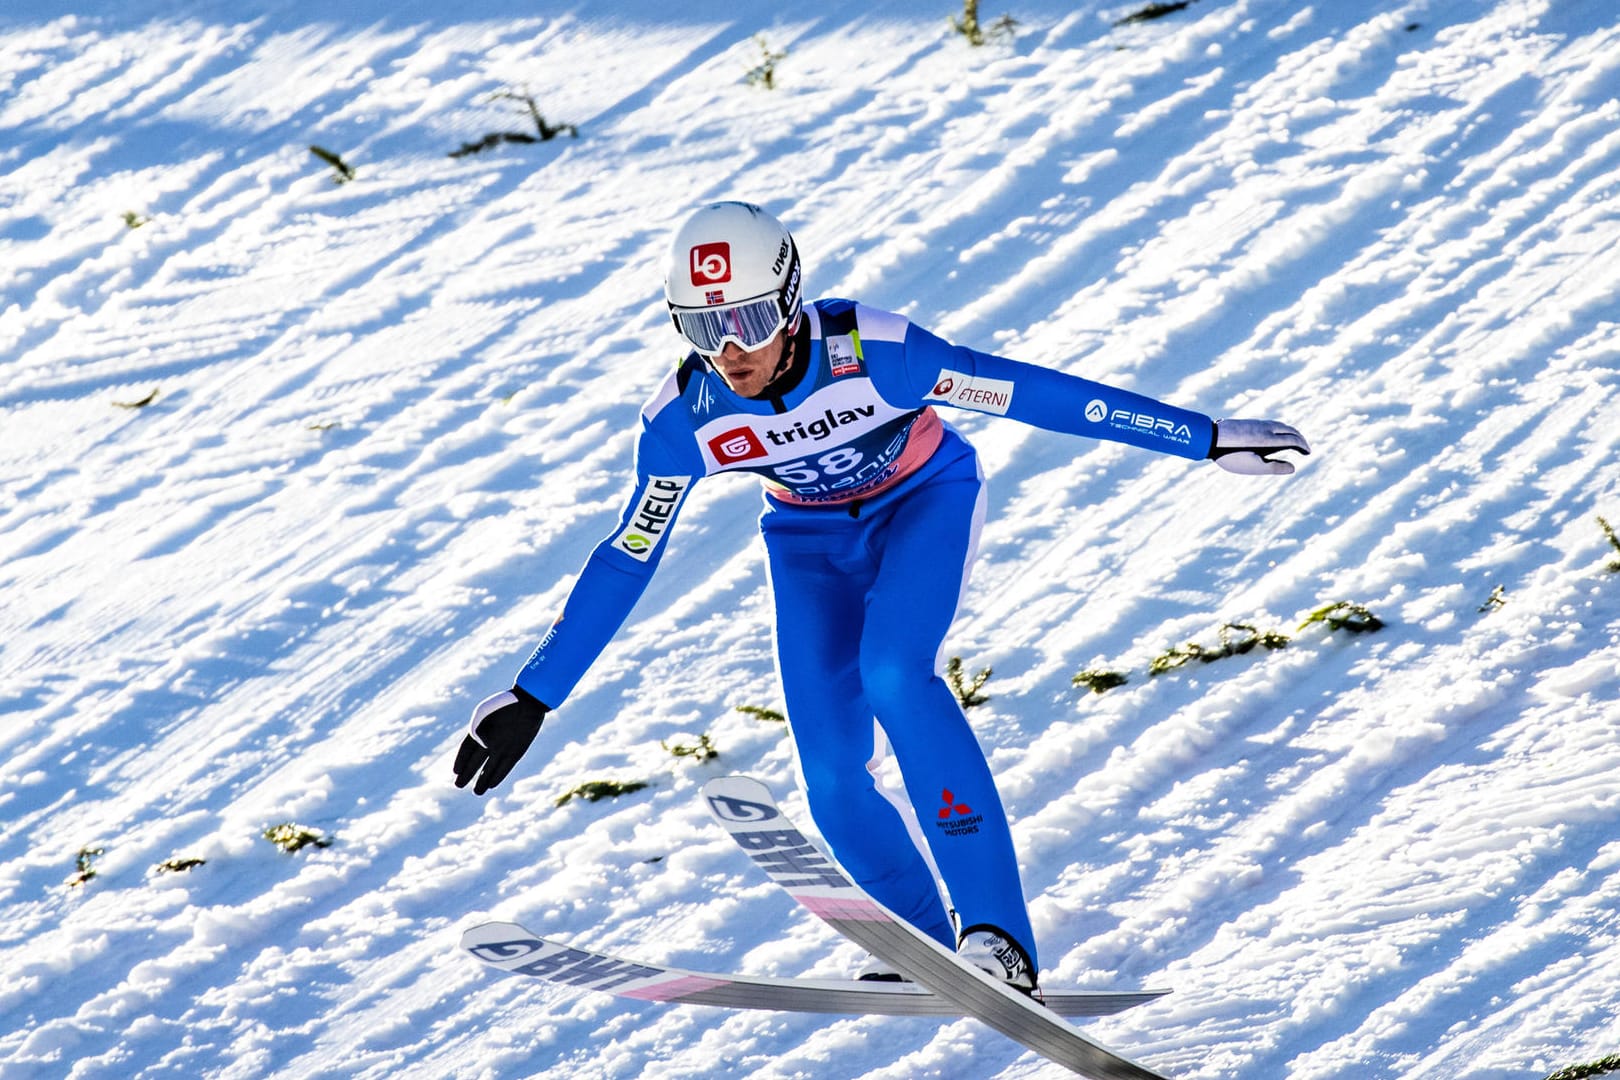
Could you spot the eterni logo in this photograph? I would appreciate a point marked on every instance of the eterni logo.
(711, 263)
(972, 392)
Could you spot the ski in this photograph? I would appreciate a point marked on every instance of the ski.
(747, 810)
(513, 949)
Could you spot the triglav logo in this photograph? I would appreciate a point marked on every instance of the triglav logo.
(738, 444)
(711, 263)
(1096, 412)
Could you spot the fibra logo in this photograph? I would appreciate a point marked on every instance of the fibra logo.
(711, 263)
(738, 444)
(1096, 412)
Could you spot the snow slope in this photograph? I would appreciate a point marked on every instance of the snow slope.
(393, 414)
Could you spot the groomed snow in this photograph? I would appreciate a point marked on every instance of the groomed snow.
(392, 416)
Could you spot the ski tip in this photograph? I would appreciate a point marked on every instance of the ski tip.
(740, 802)
(737, 784)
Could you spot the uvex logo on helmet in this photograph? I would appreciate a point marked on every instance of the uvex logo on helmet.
(711, 263)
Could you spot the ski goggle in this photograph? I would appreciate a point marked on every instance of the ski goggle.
(750, 324)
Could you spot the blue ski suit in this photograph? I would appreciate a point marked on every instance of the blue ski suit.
(873, 509)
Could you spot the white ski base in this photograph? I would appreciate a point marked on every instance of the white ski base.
(749, 812)
(513, 949)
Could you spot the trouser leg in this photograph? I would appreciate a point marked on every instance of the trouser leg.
(820, 610)
(928, 545)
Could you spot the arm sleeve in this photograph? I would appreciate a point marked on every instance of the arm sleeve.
(942, 373)
(614, 576)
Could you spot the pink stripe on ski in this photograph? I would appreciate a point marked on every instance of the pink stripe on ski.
(830, 908)
(674, 989)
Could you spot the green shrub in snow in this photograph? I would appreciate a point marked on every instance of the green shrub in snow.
(86, 870)
(1614, 541)
(543, 132)
(1236, 639)
(596, 790)
(1153, 11)
(966, 692)
(178, 864)
(1097, 680)
(968, 25)
(342, 173)
(763, 74)
(1345, 616)
(1595, 1068)
(703, 751)
(290, 836)
(140, 403)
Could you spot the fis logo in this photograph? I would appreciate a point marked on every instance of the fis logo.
(650, 519)
(711, 263)
(844, 354)
(705, 399)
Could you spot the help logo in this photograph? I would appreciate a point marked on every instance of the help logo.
(711, 263)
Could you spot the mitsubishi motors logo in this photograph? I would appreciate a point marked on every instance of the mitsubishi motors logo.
(711, 263)
(957, 818)
(738, 444)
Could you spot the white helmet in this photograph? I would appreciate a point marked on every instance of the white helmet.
(733, 275)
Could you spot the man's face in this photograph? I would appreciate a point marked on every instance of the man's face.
(748, 373)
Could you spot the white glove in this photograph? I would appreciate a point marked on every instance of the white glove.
(1249, 446)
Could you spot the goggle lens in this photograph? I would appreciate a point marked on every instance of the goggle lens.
(750, 325)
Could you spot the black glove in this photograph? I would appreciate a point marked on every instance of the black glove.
(1250, 446)
(503, 725)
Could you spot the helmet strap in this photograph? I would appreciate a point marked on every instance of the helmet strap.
(786, 363)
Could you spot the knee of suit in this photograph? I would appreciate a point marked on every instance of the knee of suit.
(893, 681)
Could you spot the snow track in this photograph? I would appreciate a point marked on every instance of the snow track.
(392, 415)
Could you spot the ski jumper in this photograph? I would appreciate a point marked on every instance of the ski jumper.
(873, 509)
